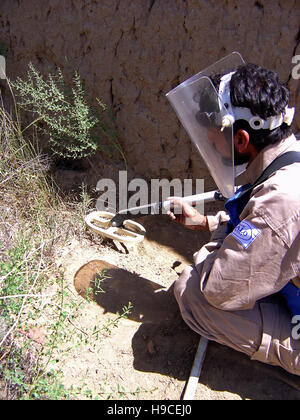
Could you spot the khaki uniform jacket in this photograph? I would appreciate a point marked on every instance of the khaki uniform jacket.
(234, 276)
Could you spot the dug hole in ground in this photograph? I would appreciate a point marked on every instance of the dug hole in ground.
(149, 355)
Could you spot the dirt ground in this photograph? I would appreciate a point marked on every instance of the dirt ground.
(152, 350)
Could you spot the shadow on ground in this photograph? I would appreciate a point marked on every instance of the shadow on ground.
(164, 344)
(185, 242)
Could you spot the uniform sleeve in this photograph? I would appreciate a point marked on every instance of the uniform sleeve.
(244, 267)
(215, 221)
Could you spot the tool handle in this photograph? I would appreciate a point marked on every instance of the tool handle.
(206, 197)
(155, 208)
(196, 369)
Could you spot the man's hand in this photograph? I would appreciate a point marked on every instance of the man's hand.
(189, 216)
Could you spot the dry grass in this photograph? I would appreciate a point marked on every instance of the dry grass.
(35, 222)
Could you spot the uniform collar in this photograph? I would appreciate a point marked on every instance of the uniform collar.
(267, 155)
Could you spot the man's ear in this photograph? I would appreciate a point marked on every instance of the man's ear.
(241, 141)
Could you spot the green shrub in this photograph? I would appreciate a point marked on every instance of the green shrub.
(74, 127)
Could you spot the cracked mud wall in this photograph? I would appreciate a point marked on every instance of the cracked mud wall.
(131, 53)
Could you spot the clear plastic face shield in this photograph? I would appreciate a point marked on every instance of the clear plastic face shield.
(200, 109)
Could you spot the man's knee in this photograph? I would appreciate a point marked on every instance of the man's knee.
(180, 283)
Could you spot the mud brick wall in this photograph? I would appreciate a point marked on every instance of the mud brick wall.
(130, 53)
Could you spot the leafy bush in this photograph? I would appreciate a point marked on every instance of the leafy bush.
(74, 128)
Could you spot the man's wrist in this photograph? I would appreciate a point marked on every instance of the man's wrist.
(203, 225)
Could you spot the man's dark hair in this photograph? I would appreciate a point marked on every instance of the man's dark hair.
(260, 90)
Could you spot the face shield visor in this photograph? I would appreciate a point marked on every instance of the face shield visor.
(201, 111)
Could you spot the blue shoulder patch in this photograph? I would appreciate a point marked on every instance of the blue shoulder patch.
(245, 233)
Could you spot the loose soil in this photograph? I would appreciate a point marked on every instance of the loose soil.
(149, 354)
